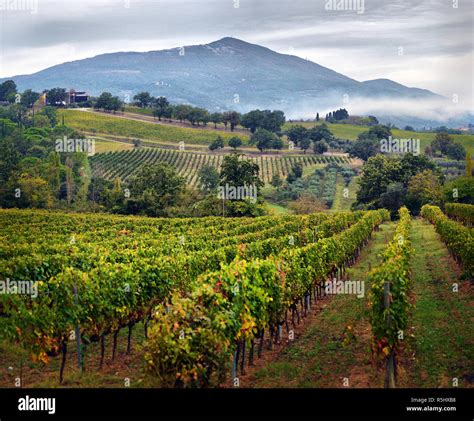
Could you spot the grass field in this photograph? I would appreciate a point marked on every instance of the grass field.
(102, 146)
(342, 203)
(98, 123)
(351, 131)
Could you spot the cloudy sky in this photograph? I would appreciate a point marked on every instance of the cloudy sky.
(422, 43)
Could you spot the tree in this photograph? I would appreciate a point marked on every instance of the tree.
(468, 165)
(379, 132)
(252, 120)
(409, 129)
(28, 98)
(218, 143)
(114, 104)
(215, 118)
(181, 111)
(441, 142)
(456, 151)
(320, 147)
(235, 142)
(393, 198)
(52, 115)
(231, 117)
(7, 90)
(143, 99)
(241, 173)
(320, 132)
(380, 171)
(208, 178)
(305, 143)
(297, 133)
(108, 102)
(263, 139)
(460, 189)
(377, 173)
(266, 119)
(317, 116)
(307, 204)
(277, 143)
(161, 105)
(276, 181)
(273, 120)
(155, 188)
(414, 164)
(56, 96)
(103, 101)
(295, 173)
(238, 172)
(364, 148)
(35, 192)
(70, 186)
(424, 188)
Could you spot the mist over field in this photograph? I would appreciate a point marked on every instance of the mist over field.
(418, 113)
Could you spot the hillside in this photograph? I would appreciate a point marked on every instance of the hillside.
(228, 73)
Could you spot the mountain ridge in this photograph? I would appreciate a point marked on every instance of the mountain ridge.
(228, 73)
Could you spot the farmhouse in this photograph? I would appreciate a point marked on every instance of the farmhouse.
(77, 96)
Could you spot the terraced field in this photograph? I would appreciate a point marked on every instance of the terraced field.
(124, 164)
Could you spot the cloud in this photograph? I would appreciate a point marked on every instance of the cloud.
(436, 37)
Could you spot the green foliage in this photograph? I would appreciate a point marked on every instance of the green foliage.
(217, 144)
(153, 189)
(142, 99)
(208, 178)
(235, 142)
(458, 238)
(446, 146)
(263, 139)
(461, 190)
(297, 133)
(28, 98)
(56, 96)
(425, 188)
(108, 102)
(320, 132)
(381, 171)
(266, 119)
(320, 147)
(389, 315)
(234, 304)
(463, 213)
(7, 90)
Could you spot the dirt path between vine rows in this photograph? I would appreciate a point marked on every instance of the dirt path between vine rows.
(325, 353)
(439, 348)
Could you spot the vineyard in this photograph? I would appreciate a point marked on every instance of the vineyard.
(212, 293)
(99, 274)
(124, 164)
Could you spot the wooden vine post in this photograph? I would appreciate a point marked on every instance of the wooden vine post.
(390, 368)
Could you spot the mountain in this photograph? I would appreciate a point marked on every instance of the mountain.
(225, 74)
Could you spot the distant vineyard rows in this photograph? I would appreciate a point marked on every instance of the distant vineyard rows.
(124, 164)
